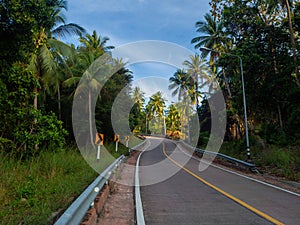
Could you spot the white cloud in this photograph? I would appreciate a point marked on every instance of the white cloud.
(153, 84)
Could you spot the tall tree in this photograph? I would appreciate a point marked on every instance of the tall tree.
(173, 118)
(286, 4)
(156, 107)
(95, 43)
(197, 68)
(157, 104)
(138, 97)
(213, 36)
(181, 84)
(43, 61)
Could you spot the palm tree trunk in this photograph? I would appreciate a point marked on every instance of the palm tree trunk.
(226, 83)
(188, 124)
(292, 41)
(90, 117)
(35, 101)
(59, 102)
(279, 116)
(35, 105)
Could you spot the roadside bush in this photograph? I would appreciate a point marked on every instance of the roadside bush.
(7, 145)
(46, 133)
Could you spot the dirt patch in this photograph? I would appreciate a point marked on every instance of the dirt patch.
(119, 207)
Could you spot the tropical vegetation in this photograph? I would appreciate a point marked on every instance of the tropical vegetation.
(41, 75)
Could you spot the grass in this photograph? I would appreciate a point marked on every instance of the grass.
(32, 190)
(270, 159)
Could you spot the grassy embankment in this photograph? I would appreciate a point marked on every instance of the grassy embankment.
(32, 190)
(270, 159)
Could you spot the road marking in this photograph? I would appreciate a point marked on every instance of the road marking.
(238, 174)
(138, 201)
(242, 203)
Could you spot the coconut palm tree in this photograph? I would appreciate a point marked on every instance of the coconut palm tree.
(86, 84)
(157, 104)
(61, 28)
(49, 50)
(138, 96)
(197, 68)
(95, 43)
(182, 84)
(213, 36)
(173, 118)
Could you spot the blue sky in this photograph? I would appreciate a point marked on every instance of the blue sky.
(125, 21)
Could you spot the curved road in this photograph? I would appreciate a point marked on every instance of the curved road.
(174, 191)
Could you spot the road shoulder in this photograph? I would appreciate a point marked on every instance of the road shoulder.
(119, 207)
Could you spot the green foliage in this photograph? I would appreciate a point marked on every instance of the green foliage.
(44, 131)
(22, 125)
(269, 159)
(7, 145)
(20, 22)
(31, 190)
(258, 32)
(281, 162)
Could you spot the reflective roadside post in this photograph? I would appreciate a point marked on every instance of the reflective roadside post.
(204, 49)
(99, 139)
(116, 139)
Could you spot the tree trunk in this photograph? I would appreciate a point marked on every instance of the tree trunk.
(59, 103)
(292, 42)
(279, 116)
(35, 105)
(226, 83)
(188, 123)
(90, 117)
(35, 101)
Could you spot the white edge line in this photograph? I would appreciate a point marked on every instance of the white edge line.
(241, 175)
(138, 201)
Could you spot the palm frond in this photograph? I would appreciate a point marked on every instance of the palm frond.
(68, 30)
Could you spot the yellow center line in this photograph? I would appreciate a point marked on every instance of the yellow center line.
(244, 204)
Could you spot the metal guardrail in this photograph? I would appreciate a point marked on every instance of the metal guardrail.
(222, 156)
(138, 146)
(75, 213)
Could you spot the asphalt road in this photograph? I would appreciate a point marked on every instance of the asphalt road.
(174, 195)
